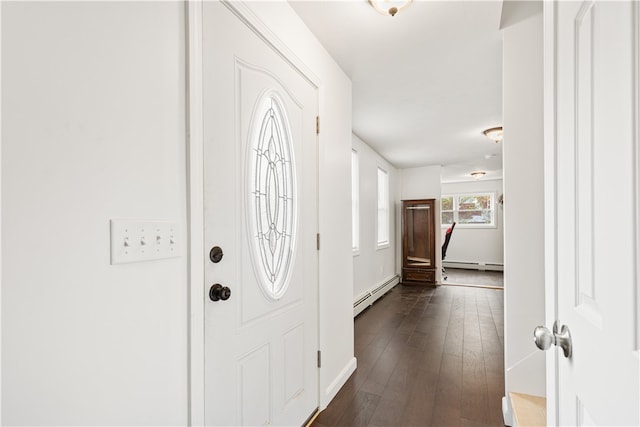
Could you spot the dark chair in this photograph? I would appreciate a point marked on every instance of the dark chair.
(445, 245)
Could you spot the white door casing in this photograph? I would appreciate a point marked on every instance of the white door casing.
(260, 207)
(591, 143)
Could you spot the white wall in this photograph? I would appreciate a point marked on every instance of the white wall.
(373, 266)
(93, 113)
(420, 183)
(524, 205)
(476, 245)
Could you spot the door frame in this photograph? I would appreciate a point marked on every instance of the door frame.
(550, 191)
(550, 201)
(195, 214)
(636, 169)
(195, 186)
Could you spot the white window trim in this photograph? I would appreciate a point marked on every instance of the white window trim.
(455, 210)
(382, 244)
(355, 202)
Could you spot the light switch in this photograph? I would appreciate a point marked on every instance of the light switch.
(143, 240)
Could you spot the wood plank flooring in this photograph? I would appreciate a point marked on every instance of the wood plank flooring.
(461, 276)
(426, 357)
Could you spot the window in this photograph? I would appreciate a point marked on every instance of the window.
(383, 208)
(271, 197)
(355, 202)
(468, 210)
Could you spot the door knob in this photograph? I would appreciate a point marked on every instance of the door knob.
(545, 338)
(219, 292)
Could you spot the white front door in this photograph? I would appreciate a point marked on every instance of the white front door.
(261, 322)
(592, 196)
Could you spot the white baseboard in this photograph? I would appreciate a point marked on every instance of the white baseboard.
(337, 383)
(507, 416)
(482, 266)
(367, 298)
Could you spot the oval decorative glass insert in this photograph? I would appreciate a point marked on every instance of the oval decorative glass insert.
(272, 201)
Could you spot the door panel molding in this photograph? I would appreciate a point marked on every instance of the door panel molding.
(268, 306)
(584, 158)
(583, 417)
(293, 340)
(241, 65)
(246, 15)
(254, 380)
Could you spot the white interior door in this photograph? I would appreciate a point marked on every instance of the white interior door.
(260, 210)
(593, 230)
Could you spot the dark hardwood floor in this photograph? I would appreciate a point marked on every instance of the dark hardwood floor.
(426, 357)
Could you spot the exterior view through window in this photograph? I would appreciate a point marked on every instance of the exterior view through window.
(355, 202)
(383, 208)
(468, 210)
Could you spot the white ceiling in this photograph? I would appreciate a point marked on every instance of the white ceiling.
(426, 82)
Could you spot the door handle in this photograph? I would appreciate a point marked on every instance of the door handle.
(218, 292)
(544, 338)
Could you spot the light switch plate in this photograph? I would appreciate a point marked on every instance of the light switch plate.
(143, 240)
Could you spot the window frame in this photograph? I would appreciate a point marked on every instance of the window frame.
(355, 202)
(383, 210)
(455, 209)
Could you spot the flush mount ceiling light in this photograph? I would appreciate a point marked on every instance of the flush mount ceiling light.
(478, 174)
(389, 7)
(494, 134)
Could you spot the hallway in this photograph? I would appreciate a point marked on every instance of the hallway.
(425, 357)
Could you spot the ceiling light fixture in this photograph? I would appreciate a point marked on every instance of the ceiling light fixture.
(477, 175)
(494, 134)
(389, 7)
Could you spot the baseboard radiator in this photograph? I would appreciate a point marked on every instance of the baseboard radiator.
(369, 297)
(473, 265)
